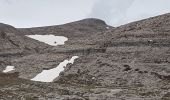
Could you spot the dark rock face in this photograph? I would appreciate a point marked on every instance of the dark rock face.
(130, 62)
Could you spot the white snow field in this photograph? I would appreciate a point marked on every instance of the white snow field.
(107, 28)
(8, 69)
(49, 39)
(50, 75)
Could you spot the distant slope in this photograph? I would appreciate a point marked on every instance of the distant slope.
(81, 33)
(12, 45)
(79, 28)
(11, 39)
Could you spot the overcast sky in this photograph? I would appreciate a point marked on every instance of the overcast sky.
(34, 13)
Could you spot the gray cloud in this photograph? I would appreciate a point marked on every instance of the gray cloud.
(111, 11)
(33, 13)
(118, 12)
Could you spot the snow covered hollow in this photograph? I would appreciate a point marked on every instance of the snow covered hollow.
(49, 39)
(50, 75)
(8, 69)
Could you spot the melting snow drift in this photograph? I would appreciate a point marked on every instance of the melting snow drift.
(50, 75)
(107, 28)
(8, 69)
(49, 39)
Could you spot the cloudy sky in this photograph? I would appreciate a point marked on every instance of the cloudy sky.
(33, 13)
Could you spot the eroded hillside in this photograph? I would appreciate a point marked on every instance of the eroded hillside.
(130, 62)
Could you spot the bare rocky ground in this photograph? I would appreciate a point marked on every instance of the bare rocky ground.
(130, 62)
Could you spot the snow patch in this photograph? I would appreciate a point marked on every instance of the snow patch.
(107, 28)
(49, 39)
(50, 75)
(8, 69)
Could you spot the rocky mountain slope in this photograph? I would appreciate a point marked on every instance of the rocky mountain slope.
(130, 62)
(12, 45)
